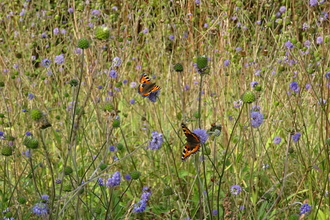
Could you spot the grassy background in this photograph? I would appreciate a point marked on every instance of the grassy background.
(252, 35)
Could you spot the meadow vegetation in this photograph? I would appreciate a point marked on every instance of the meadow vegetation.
(84, 135)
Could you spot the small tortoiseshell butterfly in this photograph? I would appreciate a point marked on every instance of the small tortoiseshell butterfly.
(193, 143)
(146, 87)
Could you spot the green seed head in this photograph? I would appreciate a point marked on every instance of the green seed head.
(36, 114)
(248, 97)
(83, 43)
(102, 33)
(135, 175)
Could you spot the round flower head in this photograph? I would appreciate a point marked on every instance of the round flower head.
(156, 141)
(59, 59)
(140, 206)
(235, 189)
(116, 61)
(40, 209)
(305, 208)
(202, 134)
(294, 87)
(296, 137)
(277, 140)
(45, 62)
(256, 119)
(153, 96)
(114, 180)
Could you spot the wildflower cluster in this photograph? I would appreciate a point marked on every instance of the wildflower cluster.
(114, 180)
(156, 141)
(141, 205)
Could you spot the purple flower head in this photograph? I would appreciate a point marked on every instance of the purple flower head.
(116, 61)
(296, 137)
(59, 59)
(288, 44)
(114, 180)
(313, 2)
(235, 189)
(294, 87)
(95, 12)
(100, 181)
(27, 153)
(40, 209)
(113, 74)
(44, 35)
(319, 40)
(253, 84)
(305, 208)
(256, 119)
(282, 9)
(307, 43)
(324, 16)
(197, 2)
(327, 75)
(238, 49)
(133, 84)
(127, 177)
(305, 26)
(30, 96)
(146, 30)
(214, 212)
(45, 197)
(140, 206)
(28, 133)
(132, 101)
(125, 81)
(206, 25)
(171, 37)
(308, 86)
(277, 140)
(202, 134)
(112, 148)
(156, 141)
(226, 62)
(153, 96)
(1, 133)
(56, 31)
(45, 62)
(238, 103)
(70, 10)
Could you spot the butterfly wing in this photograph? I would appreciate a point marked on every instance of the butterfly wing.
(193, 143)
(146, 87)
(144, 79)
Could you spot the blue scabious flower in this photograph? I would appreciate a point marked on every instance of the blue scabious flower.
(132, 101)
(288, 44)
(277, 140)
(113, 74)
(153, 96)
(127, 177)
(116, 61)
(226, 62)
(114, 180)
(294, 87)
(256, 119)
(296, 137)
(30, 96)
(214, 212)
(112, 148)
(282, 9)
(40, 209)
(171, 37)
(141, 205)
(45, 197)
(59, 59)
(202, 134)
(319, 40)
(156, 141)
(253, 84)
(327, 75)
(28, 133)
(305, 208)
(100, 181)
(313, 2)
(45, 62)
(235, 189)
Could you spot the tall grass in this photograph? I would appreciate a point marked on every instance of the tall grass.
(70, 123)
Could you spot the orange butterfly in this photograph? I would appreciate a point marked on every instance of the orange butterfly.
(193, 143)
(146, 87)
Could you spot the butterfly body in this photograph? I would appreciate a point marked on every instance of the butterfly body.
(193, 143)
(146, 87)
